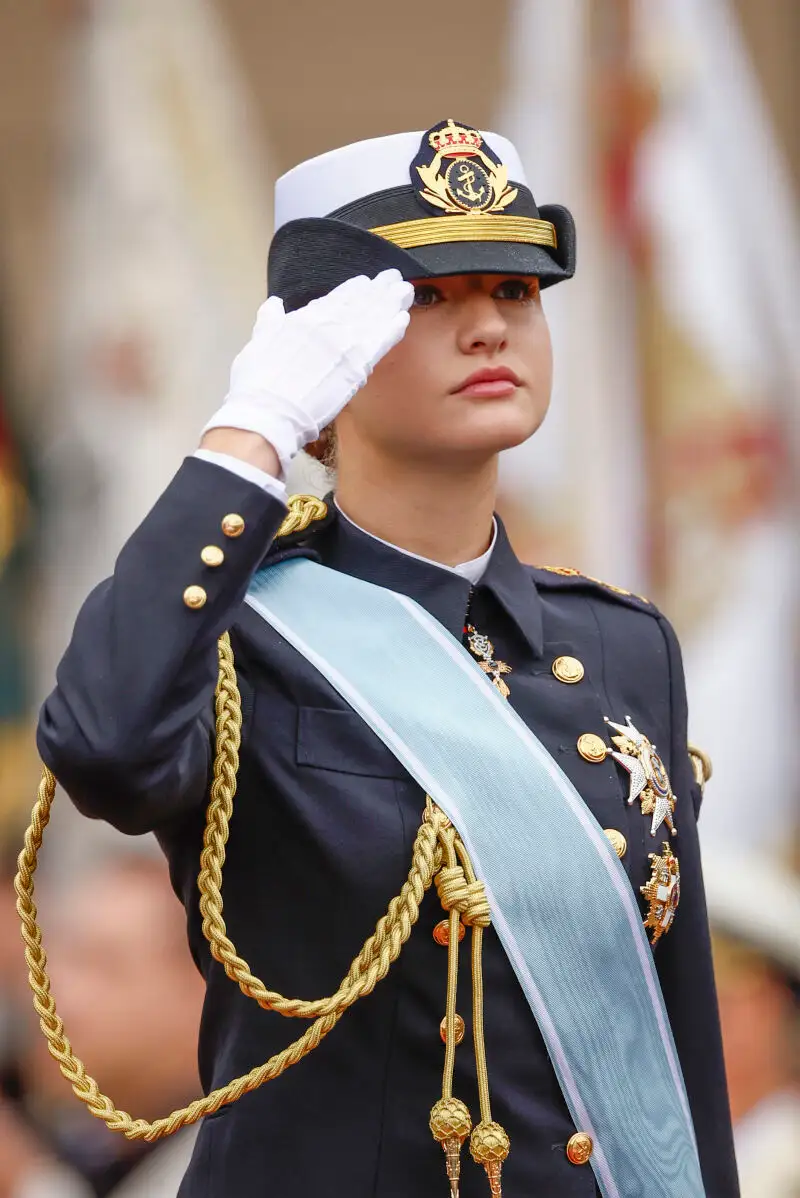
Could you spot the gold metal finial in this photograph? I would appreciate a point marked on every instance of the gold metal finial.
(451, 1123)
(490, 1145)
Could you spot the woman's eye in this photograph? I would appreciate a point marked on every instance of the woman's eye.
(516, 289)
(426, 295)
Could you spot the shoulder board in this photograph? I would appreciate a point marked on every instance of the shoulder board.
(307, 514)
(568, 578)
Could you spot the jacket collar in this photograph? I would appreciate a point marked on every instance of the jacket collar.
(444, 594)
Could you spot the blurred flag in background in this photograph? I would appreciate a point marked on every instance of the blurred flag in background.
(664, 465)
(573, 494)
(720, 357)
(163, 225)
(17, 757)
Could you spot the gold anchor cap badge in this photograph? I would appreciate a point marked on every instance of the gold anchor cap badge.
(456, 171)
(649, 779)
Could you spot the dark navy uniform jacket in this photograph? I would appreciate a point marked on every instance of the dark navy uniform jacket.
(321, 839)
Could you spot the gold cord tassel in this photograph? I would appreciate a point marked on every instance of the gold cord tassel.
(438, 849)
(489, 1143)
(451, 1123)
(450, 1120)
(463, 896)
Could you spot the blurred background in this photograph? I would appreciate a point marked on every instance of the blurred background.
(140, 140)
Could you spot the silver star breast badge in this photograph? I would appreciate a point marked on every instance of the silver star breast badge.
(649, 780)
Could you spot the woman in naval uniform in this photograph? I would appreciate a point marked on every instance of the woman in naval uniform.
(404, 333)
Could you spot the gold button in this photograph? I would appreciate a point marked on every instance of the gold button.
(441, 933)
(618, 842)
(233, 525)
(591, 747)
(212, 555)
(579, 1148)
(194, 597)
(568, 669)
(459, 1030)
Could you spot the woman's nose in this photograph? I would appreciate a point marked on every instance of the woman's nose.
(483, 327)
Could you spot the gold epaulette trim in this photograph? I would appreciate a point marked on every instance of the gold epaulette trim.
(570, 572)
(303, 511)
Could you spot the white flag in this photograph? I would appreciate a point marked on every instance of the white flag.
(724, 361)
(164, 225)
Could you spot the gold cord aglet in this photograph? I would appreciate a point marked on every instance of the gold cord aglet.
(489, 1145)
(452, 1151)
(450, 1124)
(493, 1171)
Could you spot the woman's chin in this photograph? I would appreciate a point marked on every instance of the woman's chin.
(495, 430)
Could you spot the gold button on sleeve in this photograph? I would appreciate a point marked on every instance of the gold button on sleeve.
(579, 1148)
(194, 597)
(592, 747)
(233, 525)
(568, 669)
(212, 555)
(618, 841)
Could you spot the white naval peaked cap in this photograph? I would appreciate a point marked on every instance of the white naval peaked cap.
(323, 184)
(407, 202)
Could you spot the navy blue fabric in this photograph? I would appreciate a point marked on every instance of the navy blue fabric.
(321, 839)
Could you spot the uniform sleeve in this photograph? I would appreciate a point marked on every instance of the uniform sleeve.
(685, 968)
(128, 729)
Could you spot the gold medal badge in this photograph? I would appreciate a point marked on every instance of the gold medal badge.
(651, 785)
(662, 892)
(463, 175)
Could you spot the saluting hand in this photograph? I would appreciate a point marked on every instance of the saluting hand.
(299, 369)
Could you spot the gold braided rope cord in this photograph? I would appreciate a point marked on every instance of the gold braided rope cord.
(367, 969)
(460, 893)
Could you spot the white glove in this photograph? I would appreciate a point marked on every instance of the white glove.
(299, 369)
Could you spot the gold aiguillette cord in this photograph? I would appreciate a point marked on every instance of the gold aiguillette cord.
(463, 896)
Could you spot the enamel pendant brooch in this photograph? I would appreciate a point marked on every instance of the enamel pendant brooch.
(482, 648)
(649, 780)
(662, 892)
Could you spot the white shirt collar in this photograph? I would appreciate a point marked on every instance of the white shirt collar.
(473, 571)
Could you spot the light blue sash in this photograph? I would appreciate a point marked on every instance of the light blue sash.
(561, 902)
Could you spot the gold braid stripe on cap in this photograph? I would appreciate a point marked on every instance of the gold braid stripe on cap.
(438, 854)
(437, 230)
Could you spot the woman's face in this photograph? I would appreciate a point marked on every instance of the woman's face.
(423, 400)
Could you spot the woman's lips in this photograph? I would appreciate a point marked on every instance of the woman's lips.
(490, 389)
(490, 383)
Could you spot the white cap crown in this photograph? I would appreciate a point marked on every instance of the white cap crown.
(323, 184)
